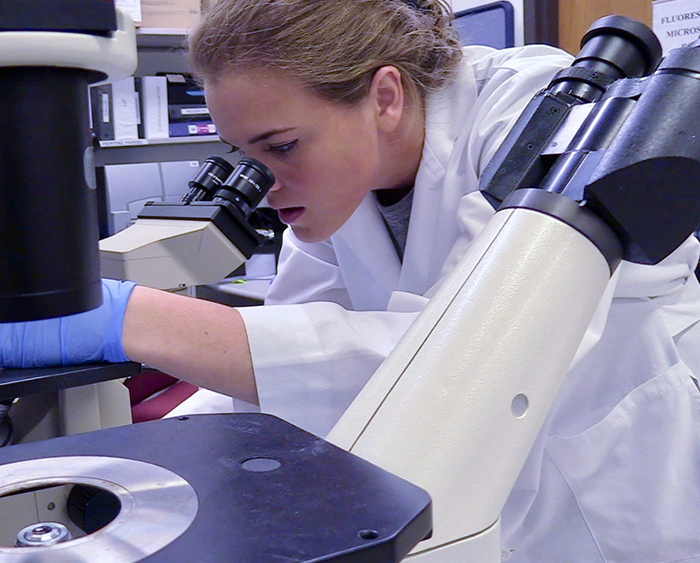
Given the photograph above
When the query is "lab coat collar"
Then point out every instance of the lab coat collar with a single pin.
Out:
(360, 244)
(363, 241)
(433, 226)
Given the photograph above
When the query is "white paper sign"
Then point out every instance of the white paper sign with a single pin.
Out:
(132, 7)
(676, 22)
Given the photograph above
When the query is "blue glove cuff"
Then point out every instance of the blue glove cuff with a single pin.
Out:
(91, 337)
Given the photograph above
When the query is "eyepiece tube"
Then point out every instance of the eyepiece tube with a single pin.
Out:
(614, 47)
(208, 180)
(247, 185)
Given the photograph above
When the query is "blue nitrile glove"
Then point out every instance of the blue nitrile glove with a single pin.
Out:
(91, 337)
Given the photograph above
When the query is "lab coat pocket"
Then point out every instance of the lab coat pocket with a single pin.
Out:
(636, 473)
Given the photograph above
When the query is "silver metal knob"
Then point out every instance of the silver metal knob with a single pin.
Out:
(43, 534)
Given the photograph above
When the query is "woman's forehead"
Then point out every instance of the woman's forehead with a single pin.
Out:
(265, 91)
(261, 80)
(245, 104)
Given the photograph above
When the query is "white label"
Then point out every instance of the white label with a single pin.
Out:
(195, 111)
(138, 107)
(676, 22)
(132, 7)
(105, 108)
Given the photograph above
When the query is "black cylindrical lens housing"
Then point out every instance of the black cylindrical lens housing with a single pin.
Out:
(209, 178)
(247, 185)
(614, 47)
(49, 260)
(646, 185)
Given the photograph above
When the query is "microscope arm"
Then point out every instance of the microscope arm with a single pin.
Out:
(457, 406)
(170, 254)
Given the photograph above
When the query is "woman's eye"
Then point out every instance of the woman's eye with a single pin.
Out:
(284, 148)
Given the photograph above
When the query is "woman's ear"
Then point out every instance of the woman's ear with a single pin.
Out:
(387, 95)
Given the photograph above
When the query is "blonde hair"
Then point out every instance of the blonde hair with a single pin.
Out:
(333, 47)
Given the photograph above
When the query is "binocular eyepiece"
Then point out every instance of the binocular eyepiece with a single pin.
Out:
(244, 186)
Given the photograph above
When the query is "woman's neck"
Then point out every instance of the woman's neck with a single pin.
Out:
(402, 158)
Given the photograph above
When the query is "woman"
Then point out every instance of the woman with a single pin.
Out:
(377, 126)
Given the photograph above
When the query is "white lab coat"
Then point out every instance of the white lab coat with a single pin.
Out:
(615, 473)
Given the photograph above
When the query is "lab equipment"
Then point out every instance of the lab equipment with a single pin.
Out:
(481, 366)
(507, 18)
(377, 518)
(491, 24)
(47, 178)
(198, 241)
(238, 488)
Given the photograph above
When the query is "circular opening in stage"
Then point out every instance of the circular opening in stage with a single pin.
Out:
(71, 510)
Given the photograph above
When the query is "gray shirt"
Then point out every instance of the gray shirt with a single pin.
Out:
(397, 216)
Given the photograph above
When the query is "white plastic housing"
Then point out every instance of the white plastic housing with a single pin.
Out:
(444, 410)
(169, 254)
(114, 56)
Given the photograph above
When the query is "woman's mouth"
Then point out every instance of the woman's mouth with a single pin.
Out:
(290, 214)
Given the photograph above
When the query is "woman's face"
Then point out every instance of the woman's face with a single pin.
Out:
(325, 157)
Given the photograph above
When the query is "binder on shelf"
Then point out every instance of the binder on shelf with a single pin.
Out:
(188, 112)
(101, 112)
(192, 129)
(183, 90)
(124, 109)
(170, 14)
(152, 94)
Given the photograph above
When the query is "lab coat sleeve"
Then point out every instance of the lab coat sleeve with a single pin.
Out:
(311, 353)
(312, 359)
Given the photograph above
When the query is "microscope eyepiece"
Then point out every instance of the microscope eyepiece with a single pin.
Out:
(247, 185)
(614, 47)
(623, 42)
(208, 180)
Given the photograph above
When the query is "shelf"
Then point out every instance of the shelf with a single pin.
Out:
(162, 150)
(161, 31)
(150, 142)
(161, 38)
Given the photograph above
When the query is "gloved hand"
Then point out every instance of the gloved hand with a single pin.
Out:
(91, 337)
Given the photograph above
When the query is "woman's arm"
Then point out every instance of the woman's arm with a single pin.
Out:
(202, 342)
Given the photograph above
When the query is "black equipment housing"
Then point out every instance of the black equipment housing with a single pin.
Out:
(635, 159)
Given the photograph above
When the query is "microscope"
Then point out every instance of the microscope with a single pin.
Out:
(195, 242)
(579, 184)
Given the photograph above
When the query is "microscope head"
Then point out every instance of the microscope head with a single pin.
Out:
(197, 241)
